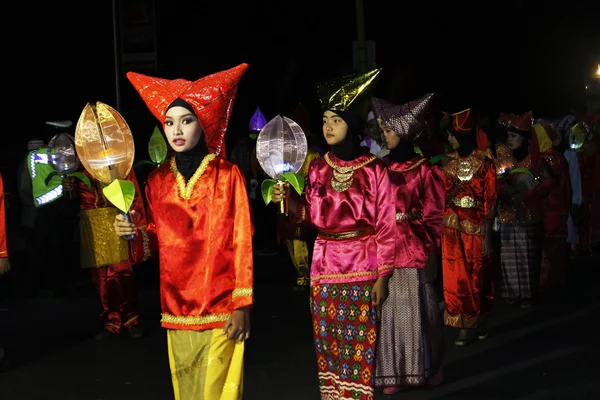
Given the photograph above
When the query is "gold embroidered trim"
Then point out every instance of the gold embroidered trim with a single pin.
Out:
(415, 165)
(460, 321)
(3, 252)
(451, 221)
(466, 202)
(342, 176)
(464, 169)
(385, 268)
(350, 275)
(342, 235)
(185, 190)
(243, 292)
(194, 319)
(145, 244)
(403, 216)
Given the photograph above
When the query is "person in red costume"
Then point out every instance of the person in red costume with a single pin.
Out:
(4, 261)
(347, 198)
(110, 258)
(556, 208)
(470, 190)
(409, 352)
(198, 209)
(521, 191)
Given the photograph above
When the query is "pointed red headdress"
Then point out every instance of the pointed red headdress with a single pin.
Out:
(524, 123)
(211, 97)
(463, 122)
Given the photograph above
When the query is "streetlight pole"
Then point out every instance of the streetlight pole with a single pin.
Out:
(361, 38)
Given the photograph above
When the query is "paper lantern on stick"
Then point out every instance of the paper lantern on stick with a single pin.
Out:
(62, 156)
(105, 148)
(104, 143)
(281, 149)
(257, 122)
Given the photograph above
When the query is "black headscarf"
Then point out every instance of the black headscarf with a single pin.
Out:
(523, 150)
(189, 161)
(349, 148)
(404, 151)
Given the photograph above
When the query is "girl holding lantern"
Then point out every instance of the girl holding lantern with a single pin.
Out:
(198, 209)
(347, 200)
(409, 352)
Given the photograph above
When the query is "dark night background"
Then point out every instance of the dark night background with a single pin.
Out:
(509, 56)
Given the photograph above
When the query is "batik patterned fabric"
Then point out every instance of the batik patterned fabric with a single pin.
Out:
(345, 329)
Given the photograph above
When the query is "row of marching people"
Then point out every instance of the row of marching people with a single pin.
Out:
(383, 224)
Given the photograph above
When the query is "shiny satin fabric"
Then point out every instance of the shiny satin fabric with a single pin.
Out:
(557, 204)
(481, 187)
(205, 365)
(418, 188)
(205, 243)
(116, 289)
(365, 204)
(141, 248)
(3, 247)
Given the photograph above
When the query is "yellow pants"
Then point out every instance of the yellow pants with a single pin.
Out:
(298, 250)
(205, 365)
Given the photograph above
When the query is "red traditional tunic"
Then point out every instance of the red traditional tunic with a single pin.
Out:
(349, 203)
(205, 243)
(557, 204)
(470, 187)
(418, 194)
(3, 247)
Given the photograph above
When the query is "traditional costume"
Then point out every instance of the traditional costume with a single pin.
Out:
(521, 218)
(110, 258)
(410, 335)
(556, 207)
(347, 197)
(470, 188)
(3, 246)
(198, 208)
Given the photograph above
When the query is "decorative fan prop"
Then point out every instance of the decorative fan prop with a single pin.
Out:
(157, 150)
(105, 147)
(62, 156)
(281, 149)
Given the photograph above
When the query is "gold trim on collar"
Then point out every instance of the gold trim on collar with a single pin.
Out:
(415, 165)
(342, 176)
(185, 190)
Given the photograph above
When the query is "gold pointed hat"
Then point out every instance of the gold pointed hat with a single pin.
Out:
(341, 93)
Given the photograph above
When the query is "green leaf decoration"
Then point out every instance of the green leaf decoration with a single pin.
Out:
(157, 147)
(144, 162)
(418, 150)
(82, 177)
(297, 181)
(437, 158)
(50, 176)
(267, 190)
(521, 171)
(120, 193)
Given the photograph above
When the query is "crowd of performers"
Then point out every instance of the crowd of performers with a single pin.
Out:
(397, 213)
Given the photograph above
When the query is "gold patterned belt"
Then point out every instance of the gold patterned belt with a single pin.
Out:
(345, 235)
(403, 216)
(465, 202)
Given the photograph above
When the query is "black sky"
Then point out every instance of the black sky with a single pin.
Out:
(510, 56)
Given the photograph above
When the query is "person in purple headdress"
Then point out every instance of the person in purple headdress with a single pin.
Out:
(410, 347)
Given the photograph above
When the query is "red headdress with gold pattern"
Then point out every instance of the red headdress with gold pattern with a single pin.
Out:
(463, 122)
(524, 123)
(211, 97)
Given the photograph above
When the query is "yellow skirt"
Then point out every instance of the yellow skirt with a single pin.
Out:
(205, 365)
(100, 245)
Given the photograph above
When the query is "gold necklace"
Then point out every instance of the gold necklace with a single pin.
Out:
(342, 176)
(185, 190)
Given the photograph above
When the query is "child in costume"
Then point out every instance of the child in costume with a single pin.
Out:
(409, 352)
(197, 206)
(347, 198)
